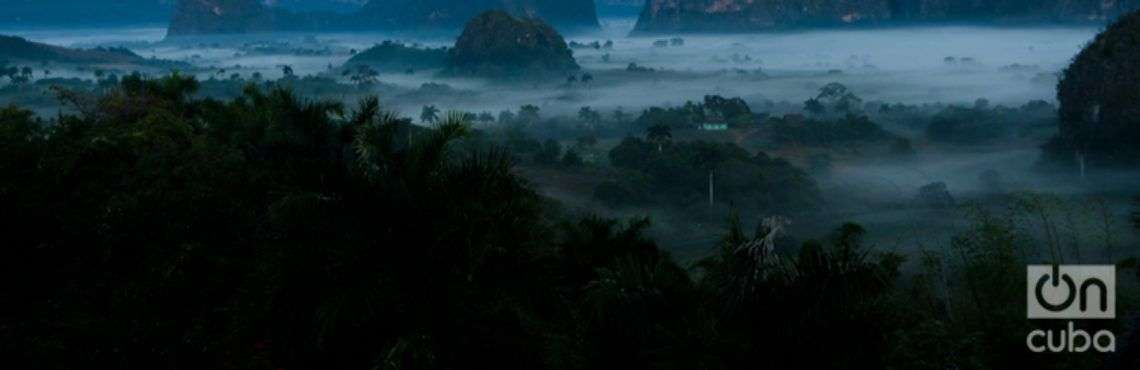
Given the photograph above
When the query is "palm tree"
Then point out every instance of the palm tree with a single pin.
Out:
(365, 75)
(659, 134)
(429, 114)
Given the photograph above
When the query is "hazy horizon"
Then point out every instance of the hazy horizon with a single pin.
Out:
(1009, 66)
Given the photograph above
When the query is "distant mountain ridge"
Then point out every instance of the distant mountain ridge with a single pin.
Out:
(199, 17)
(18, 49)
(763, 15)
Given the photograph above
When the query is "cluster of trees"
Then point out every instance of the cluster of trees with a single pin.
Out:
(665, 173)
(534, 138)
(846, 130)
(984, 124)
(586, 79)
(632, 67)
(399, 57)
(552, 153)
(361, 75)
(977, 124)
(834, 99)
(16, 75)
(596, 45)
(152, 229)
(715, 109)
(836, 117)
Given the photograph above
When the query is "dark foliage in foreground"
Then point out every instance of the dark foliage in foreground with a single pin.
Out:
(260, 232)
(155, 230)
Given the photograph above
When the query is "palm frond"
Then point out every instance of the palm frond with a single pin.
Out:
(429, 151)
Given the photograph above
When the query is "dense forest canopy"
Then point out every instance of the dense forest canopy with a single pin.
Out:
(153, 228)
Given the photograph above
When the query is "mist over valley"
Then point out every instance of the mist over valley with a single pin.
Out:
(577, 184)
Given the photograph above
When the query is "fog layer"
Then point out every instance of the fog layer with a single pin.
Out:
(908, 65)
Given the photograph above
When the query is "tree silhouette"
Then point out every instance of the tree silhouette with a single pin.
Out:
(659, 135)
(836, 97)
(591, 117)
(429, 114)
